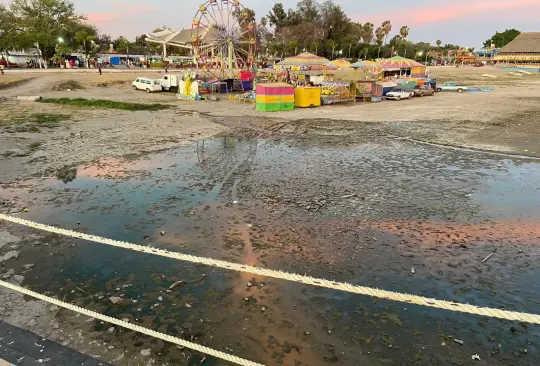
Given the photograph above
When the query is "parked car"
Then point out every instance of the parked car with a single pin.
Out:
(147, 84)
(452, 86)
(399, 93)
(420, 91)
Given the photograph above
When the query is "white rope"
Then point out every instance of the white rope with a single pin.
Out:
(136, 328)
(346, 287)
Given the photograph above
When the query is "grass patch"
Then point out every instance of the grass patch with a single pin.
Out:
(30, 122)
(101, 103)
(68, 84)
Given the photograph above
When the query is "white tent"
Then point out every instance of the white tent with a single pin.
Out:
(179, 38)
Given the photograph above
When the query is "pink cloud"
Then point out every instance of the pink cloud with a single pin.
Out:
(457, 10)
(119, 15)
(99, 18)
(132, 8)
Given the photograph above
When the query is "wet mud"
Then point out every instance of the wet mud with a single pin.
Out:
(365, 210)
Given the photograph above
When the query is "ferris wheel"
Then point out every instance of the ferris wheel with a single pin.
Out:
(224, 37)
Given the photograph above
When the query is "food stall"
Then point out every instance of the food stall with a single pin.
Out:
(274, 97)
(335, 92)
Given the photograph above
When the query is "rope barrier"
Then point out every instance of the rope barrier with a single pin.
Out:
(346, 287)
(136, 328)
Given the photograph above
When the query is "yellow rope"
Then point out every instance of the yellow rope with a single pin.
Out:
(136, 328)
(346, 287)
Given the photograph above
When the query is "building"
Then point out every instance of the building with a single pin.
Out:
(486, 55)
(523, 51)
(21, 57)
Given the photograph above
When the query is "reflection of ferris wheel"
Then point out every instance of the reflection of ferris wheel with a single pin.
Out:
(224, 37)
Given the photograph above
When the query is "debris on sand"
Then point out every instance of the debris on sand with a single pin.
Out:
(486, 258)
(459, 341)
(162, 233)
(175, 285)
(146, 352)
(116, 300)
(413, 271)
(475, 357)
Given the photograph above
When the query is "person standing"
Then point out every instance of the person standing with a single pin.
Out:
(99, 68)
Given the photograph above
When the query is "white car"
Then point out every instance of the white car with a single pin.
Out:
(399, 93)
(147, 84)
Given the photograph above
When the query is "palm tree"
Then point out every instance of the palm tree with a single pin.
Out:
(379, 36)
(439, 42)
(404, 32)
(387, 28)
(367, 32)
(314, 47)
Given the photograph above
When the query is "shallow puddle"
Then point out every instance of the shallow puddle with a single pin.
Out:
(364, 212)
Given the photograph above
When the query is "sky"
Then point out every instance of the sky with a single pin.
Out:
(464, 22)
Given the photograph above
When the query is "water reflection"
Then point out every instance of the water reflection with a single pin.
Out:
(357, 211)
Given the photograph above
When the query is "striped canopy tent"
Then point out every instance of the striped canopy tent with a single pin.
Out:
(340, 64)
(305, 61)
(397, 63)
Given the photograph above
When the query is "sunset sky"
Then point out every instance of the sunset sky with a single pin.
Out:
(463, 22)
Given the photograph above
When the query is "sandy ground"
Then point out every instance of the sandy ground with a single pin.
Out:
(505, 120)
(502, 120)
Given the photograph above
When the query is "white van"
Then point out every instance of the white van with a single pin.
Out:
(150, 85)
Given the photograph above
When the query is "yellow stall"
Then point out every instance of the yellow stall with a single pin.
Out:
(307, 97)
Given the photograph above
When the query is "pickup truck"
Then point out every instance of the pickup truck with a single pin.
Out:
(452, 86)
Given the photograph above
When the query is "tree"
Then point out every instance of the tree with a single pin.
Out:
(404, 32)
(277, 16)
(122, 44)
(43, 21)
(308, 10)
(337, 23)
(330, 44)
(85, 38)
(502, 39)
(314, 47)
(292, 47)
(10, 34)
(104, 42)
(379, 36)
(367, 32)
(387, 28)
